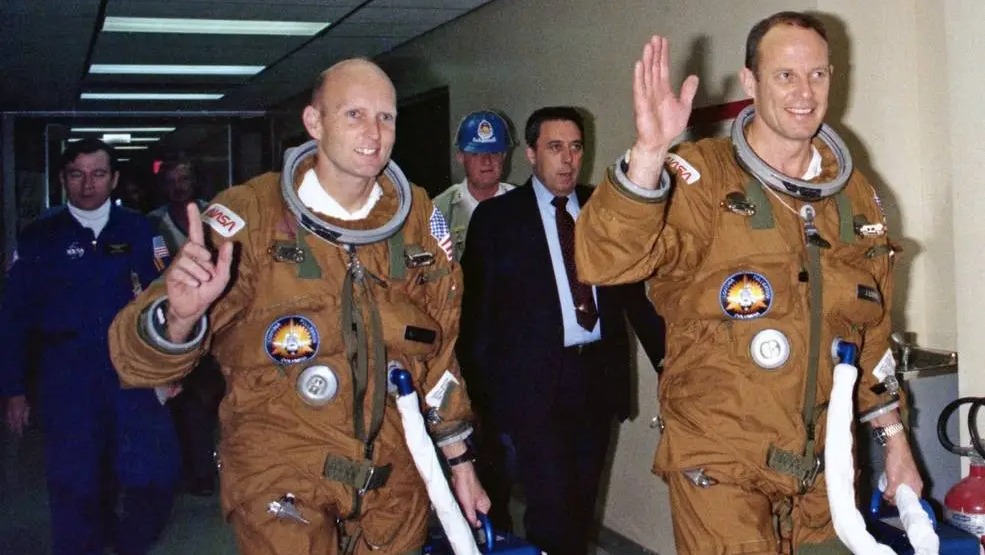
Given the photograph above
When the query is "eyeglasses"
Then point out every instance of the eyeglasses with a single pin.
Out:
(77, 175)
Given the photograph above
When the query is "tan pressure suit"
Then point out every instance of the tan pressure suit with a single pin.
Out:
(273, 442)
(749, 433)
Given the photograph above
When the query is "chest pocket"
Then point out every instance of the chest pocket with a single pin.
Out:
(851, 291)
(407, 329)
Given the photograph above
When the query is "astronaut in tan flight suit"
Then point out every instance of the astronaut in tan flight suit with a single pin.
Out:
(324, 275)
(756, 273)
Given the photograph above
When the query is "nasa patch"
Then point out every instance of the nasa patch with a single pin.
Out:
(746, 295)
(75, 251)
(223, 220)
(291, 339)
(684, 170)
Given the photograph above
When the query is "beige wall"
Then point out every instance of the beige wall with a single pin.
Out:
(911, 119)
(965, 114)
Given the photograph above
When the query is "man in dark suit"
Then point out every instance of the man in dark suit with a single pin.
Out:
(546, 357)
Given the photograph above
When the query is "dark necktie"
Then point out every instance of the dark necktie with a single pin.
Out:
(585, 310)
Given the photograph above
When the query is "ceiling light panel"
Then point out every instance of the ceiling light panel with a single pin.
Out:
(149, 96)
(211, 26)
(122, 129)
(144, 69)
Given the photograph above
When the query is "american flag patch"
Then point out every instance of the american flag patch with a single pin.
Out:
(160, 248)
(440, 232)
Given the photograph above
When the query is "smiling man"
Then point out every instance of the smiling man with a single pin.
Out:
(760, 249)
(338, 272)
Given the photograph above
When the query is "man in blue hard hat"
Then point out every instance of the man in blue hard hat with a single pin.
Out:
(482, 140)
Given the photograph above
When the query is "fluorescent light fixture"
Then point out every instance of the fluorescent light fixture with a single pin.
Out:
(75, 139)
(116, 137)
(144, 139)
(121, 129)
(122, 159)
(149, 96)
(131, 147)
(212, 26)
(138, 69)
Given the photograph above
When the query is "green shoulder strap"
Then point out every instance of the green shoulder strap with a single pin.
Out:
(308, 267)
(846, 218)
(763, 217)
(396, 246)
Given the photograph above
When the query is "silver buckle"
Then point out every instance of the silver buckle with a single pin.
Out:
(811, 475)
(369, 478)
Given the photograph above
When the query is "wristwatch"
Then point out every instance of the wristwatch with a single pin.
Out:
(467, 456)
(882, 433)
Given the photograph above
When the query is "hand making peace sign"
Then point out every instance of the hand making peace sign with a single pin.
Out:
(194, 281)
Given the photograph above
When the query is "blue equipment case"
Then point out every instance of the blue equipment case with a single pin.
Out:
(881, 524)
(491, 542)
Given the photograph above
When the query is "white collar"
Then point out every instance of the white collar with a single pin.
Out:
(814, 167)
(314, 196)
(91, 219)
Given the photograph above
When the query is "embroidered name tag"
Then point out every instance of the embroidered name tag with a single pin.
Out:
(869, 294)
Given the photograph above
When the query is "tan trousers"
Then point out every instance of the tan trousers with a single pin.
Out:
(260, 533)
(725, 519)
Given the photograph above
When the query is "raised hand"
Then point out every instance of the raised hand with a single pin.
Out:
(660, 114)
(194, 281)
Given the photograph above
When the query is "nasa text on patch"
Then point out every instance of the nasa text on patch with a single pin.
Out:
(223, 220)
(684, 170)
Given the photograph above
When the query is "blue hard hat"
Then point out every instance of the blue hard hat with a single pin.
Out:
(483, 132)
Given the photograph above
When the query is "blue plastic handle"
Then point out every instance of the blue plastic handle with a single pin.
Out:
(401, 378)
(876, 508)
(845, 352)
(487, 529)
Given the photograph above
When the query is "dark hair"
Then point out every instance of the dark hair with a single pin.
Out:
(171, 162)
(759, 30)
(551, 113)
(88, 146)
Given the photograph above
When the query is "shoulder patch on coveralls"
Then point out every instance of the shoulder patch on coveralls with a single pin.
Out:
(684, 170)
(223, 220)
(439, 230)
(446, 384)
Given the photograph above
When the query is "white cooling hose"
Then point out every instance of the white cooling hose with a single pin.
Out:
(426, 459)
(916, 522)
(839, 468)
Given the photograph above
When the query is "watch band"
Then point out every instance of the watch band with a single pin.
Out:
(467, 456)
(882, 434)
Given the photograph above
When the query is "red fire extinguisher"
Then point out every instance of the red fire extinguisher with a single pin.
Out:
(964, 503)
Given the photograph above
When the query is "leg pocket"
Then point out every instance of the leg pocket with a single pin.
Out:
(720, 520)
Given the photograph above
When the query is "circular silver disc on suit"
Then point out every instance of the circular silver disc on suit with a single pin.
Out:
(770, 349)
(317, 385)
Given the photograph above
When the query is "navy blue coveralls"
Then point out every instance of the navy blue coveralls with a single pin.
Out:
(111, 454)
